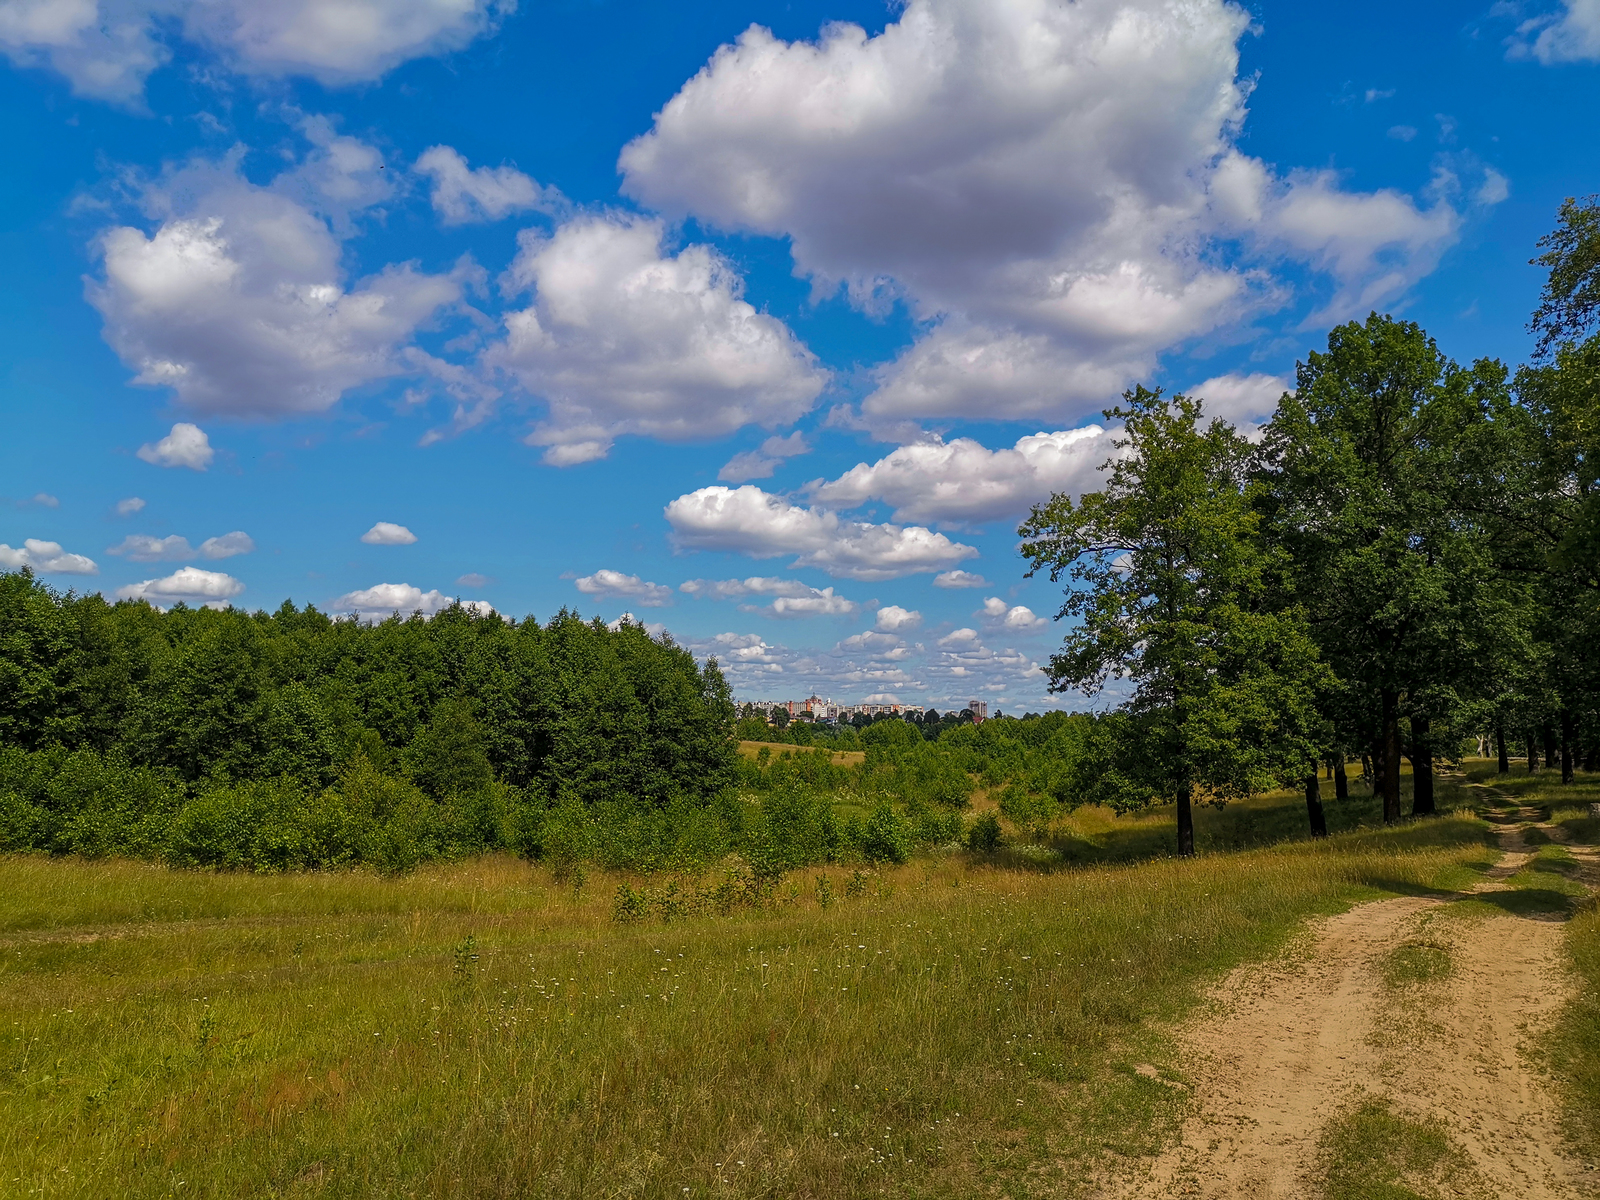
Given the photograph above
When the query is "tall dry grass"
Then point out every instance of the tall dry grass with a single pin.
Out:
(954, 1028)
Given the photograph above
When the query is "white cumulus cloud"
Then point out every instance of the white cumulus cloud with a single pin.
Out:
(894, 619)
(45, 558)
(962, 480)
(626, 338)
(107, 48)
(462, 194)
(738, 589)
(791, 598)
(186, 585)
(126, 508)
(997, 167)
(609, 583)
(185, 446)
(237, 300)
(387, 533)
(959, 579)
(818, 602)
(385, 599)
(141, 547)
(749, 521)
(227, 545)
(1011, 618)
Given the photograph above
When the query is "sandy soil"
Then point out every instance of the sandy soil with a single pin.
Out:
(1284, 1047)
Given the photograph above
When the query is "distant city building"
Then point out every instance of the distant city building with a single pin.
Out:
(979, 710)
(816, 708)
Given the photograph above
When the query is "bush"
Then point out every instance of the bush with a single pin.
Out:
(886, 836)
(983, 836)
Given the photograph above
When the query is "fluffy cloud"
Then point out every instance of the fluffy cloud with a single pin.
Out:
(1247, 401)
(473, 579)
(738, 589)
(385, 599)
(1006, 618)
(387, 533)
(654, 628)
(623, 338)
(749, 521)
(106, 48)
(45, 558)
(1571, 34)
(126, 508)
(959, 579)
(186, 446)
(186, 585)
(44, 500)
(237, 300)
(819, 602)
(963, 481)
(875, 663)
(744, 656)
(759, 464)
(791, 598)
(614, 583)
(990, 164)
(964, 369)
(141, 547)
(894, 619)
(462, 195)
(228, 545)
(1372, 245)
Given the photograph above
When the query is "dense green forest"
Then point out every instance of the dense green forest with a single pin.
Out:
(1404, 560)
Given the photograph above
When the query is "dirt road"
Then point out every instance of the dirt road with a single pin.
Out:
(1288, 1046)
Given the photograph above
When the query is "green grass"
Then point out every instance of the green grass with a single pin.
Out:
(1417, 962)
(1097, 835)
(1375, 1153)
(953, 1029)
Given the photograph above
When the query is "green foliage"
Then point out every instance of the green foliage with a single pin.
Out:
(887, 836)
(983, 836)
(1570, 302)
(794, 826)
(1172, 584)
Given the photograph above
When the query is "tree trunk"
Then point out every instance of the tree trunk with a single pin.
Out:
(1367, 777)
(1591, 758)
(1566, 747)
(1391, 757)
(1319, 820)
(1421, 768)
(1500, 747)
(1341, 785)
(1533, 754)
(1185, 823)
(1549, 746)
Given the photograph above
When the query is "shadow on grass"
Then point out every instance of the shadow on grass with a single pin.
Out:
(1534, 903)
(1404, 887)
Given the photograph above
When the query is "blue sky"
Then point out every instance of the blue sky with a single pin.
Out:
(763, 322)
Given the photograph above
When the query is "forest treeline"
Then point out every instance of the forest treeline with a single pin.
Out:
(1405, 558)
(122, 726)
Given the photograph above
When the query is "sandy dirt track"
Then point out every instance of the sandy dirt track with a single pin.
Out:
(1283, 1047)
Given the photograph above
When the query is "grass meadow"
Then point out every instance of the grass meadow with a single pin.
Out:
(957, 1026)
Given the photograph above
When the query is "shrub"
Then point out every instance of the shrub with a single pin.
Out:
(794, 826)
(886, 836)
(983, 836)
